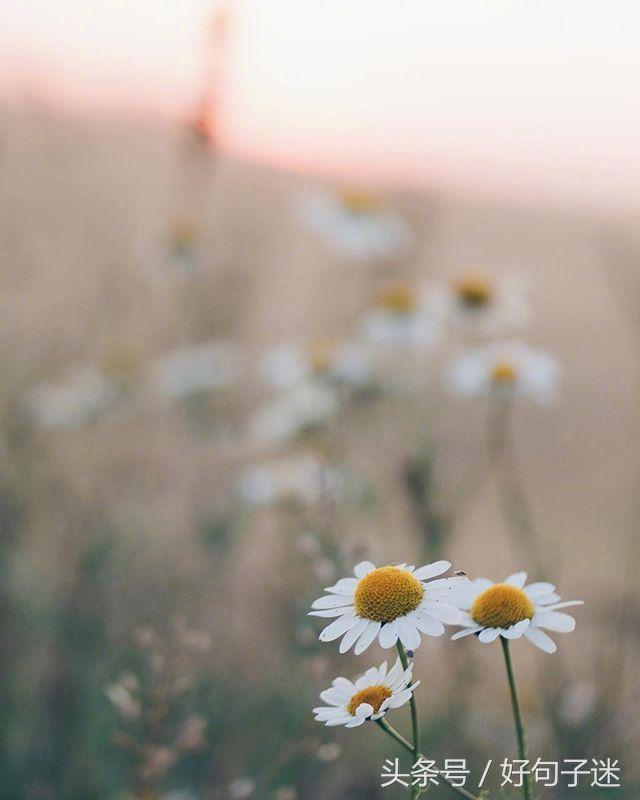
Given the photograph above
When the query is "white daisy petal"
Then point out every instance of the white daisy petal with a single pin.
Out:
(354, 633)
(541, 640)
(344, 684)
(343, 586)
(517, 630)
(547, 599)
(566, 604)
(333, 696)
(332, 601)
(408, 633)
(445, 612)
(355, 722)
(339, 721)
(363, 568)
(554, 621)
(465, 632)
(327, 613)
(489, 635)
(367, 637)
(429, 625)
(518, 579)
(337, 628)
(539, 589)
(388, 635)
(431, 570)
(370, 678)
(400, 699)
(364, 710)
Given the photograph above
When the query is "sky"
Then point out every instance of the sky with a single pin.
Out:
(540, 98)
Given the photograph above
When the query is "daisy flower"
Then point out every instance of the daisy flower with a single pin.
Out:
(389, 604)
(73, 402)
(356, 223)
(305, 408)
(322, 359)
(512, 609)
(400, 316)
(508, 368)
(370, 697)
(480, 305)
(185, 372)
(299, 479)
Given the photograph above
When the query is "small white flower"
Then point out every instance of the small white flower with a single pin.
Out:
(356, 223)
(512, 610)
(401, 316)
(370, 697)
(328, 752)
(241, 788)
(185, 372)
(507, 368)
(305, 408)
(289, 365)
(482, 306)
(73, 402)
(388, 603)
(302, 479)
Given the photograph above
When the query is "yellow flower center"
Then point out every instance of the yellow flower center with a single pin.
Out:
(474, 291)
(320, 355)
(504, 373)
(399, 298)
(374, 695)
(387, 593)
(359, 201)
(501, 606)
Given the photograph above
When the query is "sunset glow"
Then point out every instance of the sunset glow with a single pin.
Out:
(466, 94)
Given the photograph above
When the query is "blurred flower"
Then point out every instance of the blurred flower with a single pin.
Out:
(578, 702)
(289, 365)
(370, 697)
(157, 761)
(300, 479)
(329, 752)
(356, 223)
(185, 372)
(400, 316)
(241, 788)
(512, 610)
(480, 305)
(301, 410)
(126, 705)
(506, 368)
(286, 793)
(73, 402)
(388, 603)
(191, 736)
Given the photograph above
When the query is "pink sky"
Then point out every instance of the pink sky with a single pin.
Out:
(518, 98)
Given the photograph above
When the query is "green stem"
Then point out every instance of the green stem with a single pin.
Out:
(382, 723)
(415, 725)
(517, 716)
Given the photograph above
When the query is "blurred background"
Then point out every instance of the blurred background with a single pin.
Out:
(285, 286)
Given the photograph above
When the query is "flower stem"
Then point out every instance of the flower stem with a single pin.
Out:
(517, 716)
(382, 723)
(415, 725)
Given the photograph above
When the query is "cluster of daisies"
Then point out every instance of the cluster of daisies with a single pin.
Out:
(398, 604)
